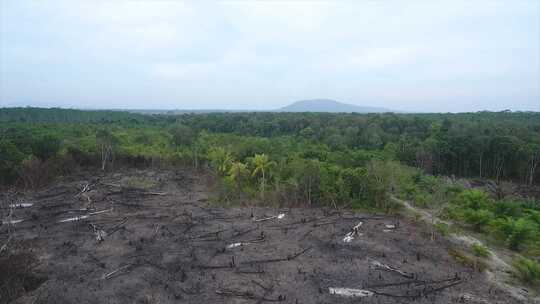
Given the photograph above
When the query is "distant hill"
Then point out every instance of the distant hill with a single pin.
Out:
(329, 105)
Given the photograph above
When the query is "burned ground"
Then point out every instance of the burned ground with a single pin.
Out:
(153, 237)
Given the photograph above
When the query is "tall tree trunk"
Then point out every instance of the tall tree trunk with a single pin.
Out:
(533, 163)
(499, 166)
(263, 182)
(481, 157)
(103, 157)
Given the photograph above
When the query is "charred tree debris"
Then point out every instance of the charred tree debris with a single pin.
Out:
(98, 235)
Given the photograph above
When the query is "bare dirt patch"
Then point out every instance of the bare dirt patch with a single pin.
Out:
(99, 239)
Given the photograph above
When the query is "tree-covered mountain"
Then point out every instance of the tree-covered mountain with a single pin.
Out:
(330, 106)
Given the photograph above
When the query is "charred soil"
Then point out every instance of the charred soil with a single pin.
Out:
(143, 236)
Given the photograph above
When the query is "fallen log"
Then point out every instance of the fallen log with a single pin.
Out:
(379, 265)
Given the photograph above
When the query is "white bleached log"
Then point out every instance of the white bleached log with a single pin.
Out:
(73, 219)
(234, 245)
(21, 205)
(11, 222)
(350, 292)
(382, 266)
(101, 211)
(82, 217)
(353, 233)
(279, 217)
(389, 227)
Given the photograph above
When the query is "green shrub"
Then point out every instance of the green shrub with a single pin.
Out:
(527, 271)
(480, 251)
(473, 199)
(506, 208)
(443, 228)
(422, 200)
(478, 219)
(522, 231)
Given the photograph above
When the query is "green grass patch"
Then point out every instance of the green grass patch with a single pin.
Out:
(528, 271)
(467, 260)
(138, 183)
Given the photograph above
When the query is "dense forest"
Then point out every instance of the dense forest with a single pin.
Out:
(365, 161)
(499, 146)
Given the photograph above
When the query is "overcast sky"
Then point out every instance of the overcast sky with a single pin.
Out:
(405, 55)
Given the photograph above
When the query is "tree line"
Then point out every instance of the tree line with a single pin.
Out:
(495, 145)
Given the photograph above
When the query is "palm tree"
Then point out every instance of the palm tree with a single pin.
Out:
(262, 165)
(221, 160)
(237, 173)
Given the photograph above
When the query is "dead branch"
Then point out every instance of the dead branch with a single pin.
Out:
(257, 271)
(117, 227)
(261, 285)
(240, 233)
(111, 185)
(287, 258)
(443, 287)
(86, 188)
(418, 293)
(306, 235)
(116, 271)
(302, 221)
(247, 295)
(209, 234)
(324, 223)
(231, 264)
(153, 193)
(99, 233)
(4, 247)
(413, 282)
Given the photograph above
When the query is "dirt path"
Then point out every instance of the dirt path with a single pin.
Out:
(98, 242)
(499, 272)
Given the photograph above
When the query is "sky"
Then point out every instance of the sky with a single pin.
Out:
(417, 56)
